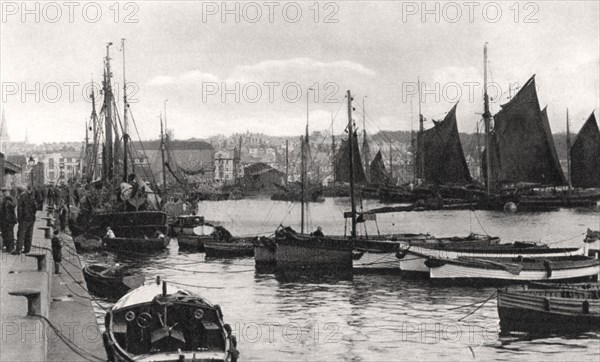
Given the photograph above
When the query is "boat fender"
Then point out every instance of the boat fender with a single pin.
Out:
(546, 304)
(129, 316)
(198, 313)
(434, 263)
(585, 307)
(400, 254)
(228, 329)
(548, 267)
(219, 311)
(520, 258)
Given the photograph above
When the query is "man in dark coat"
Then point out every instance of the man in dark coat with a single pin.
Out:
(26, 209)
(8, 219)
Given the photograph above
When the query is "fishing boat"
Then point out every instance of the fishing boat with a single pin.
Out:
(522, 152)
(135, 213)
(471, 270)
(413, 257)
(191, 232)
(303, 251)
(166, 323)
(557, 310)
(111, 282)
(137, 245)
(264, 251)
(224, 245)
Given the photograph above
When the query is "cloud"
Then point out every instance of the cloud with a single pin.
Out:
(297, 67)
(191, 77)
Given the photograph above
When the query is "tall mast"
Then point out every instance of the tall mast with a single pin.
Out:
(365, 147)
(568, 152)
(287, 161)
(351, 154)
(419, 170)
(108, 101)
(302, 177)
(125, 106)
(333, 168)
(391, 170)
(487, 119)
(162, 155)
(478, 148)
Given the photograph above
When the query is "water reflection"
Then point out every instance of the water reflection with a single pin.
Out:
(279, 315)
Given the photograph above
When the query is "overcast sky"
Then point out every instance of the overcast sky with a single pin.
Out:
(187, 52)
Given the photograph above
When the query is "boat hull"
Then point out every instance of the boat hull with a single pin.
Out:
(300, 252)
(111, 288)
(413, 260)
(556, 311)
(136, 245)
(499, 271)
(230, 249)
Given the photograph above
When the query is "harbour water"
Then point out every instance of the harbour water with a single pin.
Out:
(364, 317)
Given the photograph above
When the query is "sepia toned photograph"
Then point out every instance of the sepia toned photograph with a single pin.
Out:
(310, 180)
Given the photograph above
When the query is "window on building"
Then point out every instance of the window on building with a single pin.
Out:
(62, 159)
(51, 175)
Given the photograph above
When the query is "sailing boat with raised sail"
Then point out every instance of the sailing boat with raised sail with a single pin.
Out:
(585, 156)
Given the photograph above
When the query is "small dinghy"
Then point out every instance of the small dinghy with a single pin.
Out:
(110, 282)
(225, 245)
(559, 310)
(166, 323)
(191, 232)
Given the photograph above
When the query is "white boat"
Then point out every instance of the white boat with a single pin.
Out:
(503, 270)
(413, 258)
(166, 323)
(385, 254)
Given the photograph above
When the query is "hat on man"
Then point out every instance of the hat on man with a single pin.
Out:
(22, 187)
(6, 188)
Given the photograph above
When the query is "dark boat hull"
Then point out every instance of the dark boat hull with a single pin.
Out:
(230, 249)
(549, 311)
(301, 252)
(108, 287)
(136, 245)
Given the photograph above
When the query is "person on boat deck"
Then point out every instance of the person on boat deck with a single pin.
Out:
(318, 232)
(158, 234)
(56, 250)
(109, 233)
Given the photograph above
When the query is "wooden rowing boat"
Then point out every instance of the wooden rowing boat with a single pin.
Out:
(109, 281)
(516, 270)
(549, 311)
(413, 258)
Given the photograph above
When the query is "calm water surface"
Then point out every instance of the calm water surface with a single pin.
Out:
(364, 317)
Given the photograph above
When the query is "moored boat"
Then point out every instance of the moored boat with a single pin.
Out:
(414, 256)
(386, 253)
(515, 270)
(191, 232)
(549, 311)
(110, 282)
(154, 323)
(236, 247)
(137, 245)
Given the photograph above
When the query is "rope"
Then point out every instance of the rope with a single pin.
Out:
(72, 346)
(478, 308)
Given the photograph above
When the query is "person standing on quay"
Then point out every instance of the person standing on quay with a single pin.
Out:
(26, 209)
(8, 219)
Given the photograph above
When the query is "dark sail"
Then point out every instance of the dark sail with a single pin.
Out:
(342, 162)
(522, 144)
(585, 155)
(443, 157)
(377, 172)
